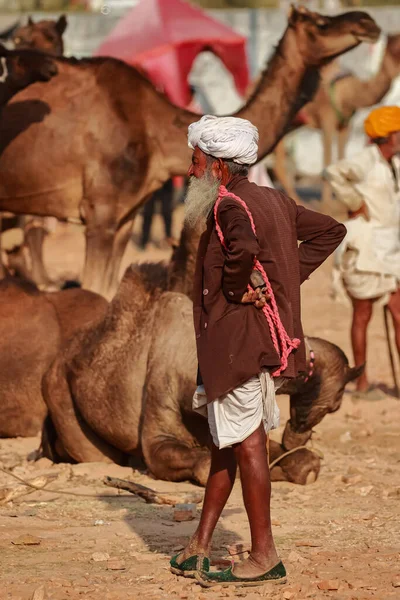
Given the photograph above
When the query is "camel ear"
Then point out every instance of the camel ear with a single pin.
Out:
(30, 21)
(61, 24)
(292, 14)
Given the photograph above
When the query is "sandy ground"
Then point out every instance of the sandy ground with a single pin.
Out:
(339, 537)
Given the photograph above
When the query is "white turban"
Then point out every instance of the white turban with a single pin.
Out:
(225, 137)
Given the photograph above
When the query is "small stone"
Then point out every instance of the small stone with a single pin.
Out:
(100, 556)
(115, 564)
(345, 437)
(351, 479)
(276, 523)
(295, 557)
(364, 491)
(43, 463)
(39, 594)
(288, 595)
(26, 540)
(396, 582)
(185, 512)
(328, 584)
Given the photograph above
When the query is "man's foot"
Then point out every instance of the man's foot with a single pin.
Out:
(276, 575)
(188, 567)
(252, 567)
(192, 549)
(372, 394)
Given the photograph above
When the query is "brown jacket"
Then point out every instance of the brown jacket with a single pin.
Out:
(233, 339)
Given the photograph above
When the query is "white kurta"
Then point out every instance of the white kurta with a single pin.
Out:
(368, 259)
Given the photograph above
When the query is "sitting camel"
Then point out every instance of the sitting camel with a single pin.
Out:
(45, 35)
(136, 140)
(124, 386)
(33, 326)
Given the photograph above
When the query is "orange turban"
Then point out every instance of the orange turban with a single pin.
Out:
(382, 121)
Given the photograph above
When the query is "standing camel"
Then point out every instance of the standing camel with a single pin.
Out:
(20, 69)
(109, 139)
(334, 105)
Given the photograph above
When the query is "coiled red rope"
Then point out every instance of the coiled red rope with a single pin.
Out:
(280, 338)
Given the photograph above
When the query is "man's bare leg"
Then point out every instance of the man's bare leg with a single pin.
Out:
(219, 486)
(394, 308)
(362, 312)
(252, 459)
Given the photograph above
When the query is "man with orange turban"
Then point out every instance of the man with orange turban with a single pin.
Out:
(368, 260)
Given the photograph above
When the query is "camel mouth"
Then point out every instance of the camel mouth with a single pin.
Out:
(370, 38)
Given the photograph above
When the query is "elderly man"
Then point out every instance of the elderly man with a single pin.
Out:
(246, 336)
(369, 258)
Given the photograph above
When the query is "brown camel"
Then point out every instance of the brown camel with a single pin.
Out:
(20, 69)
(33, 326)
(334, 105)
(124, 387)
(105, 160)
(45, 35)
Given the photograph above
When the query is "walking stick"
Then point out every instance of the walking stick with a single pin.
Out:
(392, 364)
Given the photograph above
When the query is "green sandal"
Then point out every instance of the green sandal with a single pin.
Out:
(276, 575)
(190, 566)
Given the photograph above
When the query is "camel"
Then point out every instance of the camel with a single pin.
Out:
(20, 69)
(106, 160)
(124, 387)
(45, 35)
(334, 105)
(33, 327)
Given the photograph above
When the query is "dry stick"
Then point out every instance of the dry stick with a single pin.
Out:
(151, 496)
(392, 364)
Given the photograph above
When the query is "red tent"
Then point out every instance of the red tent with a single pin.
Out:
(163, 37)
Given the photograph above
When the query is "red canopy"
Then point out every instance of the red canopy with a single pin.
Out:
(163, 37)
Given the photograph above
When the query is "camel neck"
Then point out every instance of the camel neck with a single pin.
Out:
(271, 107)
(273, 102)
(371, 91)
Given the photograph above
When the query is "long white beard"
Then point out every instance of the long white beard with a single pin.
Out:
(200, 198)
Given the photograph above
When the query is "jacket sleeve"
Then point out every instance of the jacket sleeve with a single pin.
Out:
(320, 235)
(344, 177)
(242, 246)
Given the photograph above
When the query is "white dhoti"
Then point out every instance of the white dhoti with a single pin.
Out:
(367, 263)
(235, 416)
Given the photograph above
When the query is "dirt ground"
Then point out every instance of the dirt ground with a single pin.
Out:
(339, 537)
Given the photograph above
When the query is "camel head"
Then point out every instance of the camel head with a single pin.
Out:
(321, 38)
(24, 67)
(44, 35)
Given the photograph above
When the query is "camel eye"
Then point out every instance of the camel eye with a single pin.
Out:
(322, 24)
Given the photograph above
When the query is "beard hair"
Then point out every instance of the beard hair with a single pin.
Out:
(200, 198)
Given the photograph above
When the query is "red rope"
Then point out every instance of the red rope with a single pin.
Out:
(281, 340)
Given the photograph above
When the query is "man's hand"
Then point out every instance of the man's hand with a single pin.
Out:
(361, 212)
(256, 297)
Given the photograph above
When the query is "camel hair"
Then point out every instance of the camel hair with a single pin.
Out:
(333, 106)
(123, 387)
(110, 139)
(19, 69)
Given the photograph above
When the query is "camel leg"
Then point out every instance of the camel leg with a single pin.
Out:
(327, 137)
(105, 246)
(34, 239)
(282, 174)
(67, 435)
(170, 450)
(342, 137)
